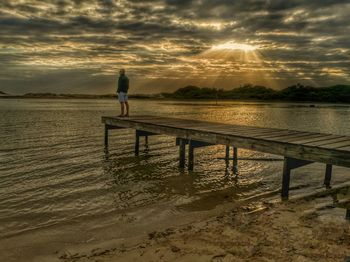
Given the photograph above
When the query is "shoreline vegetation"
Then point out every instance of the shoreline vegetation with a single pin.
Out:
(295, 93)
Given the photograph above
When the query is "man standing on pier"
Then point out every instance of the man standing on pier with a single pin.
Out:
(123, 87)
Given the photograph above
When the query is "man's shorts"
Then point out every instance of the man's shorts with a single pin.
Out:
(122, 97)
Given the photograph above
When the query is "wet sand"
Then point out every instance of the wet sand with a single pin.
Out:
(285, 231)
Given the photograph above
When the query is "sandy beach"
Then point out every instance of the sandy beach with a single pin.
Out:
(300, 230)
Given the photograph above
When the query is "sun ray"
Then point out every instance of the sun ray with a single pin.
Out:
(234, 46)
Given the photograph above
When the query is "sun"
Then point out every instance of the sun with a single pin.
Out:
(234, 46)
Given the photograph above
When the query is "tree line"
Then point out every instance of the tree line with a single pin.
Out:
(298, 92)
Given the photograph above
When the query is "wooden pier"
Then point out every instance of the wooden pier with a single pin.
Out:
(298, 148)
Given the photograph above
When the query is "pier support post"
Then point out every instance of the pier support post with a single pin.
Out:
(145, 134)
(137, 143)
(328, 176)
(288, 165)
(235, 161)
(190, 156)
(146, 144)
(285, 179)
(182, 153)
(106, 136)
(227, 157)
(347, 216)
(192, 144)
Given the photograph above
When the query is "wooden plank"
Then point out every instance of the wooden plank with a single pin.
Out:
(242, 131)
(194, 123)
(256, 134)
(344, 148)
(328, 141)
(295, 137)
(217, 129)
(337, 145)
(272, 133)
(229, 128)
(251, 130)
(178, 123)
(281, 136)
(266, 132)
(225, 129)
(322, 137)
(306, 137)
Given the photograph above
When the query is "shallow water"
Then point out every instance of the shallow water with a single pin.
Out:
(53, 169)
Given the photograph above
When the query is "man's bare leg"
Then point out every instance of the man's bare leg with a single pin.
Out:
(127, 108)
(121, 109)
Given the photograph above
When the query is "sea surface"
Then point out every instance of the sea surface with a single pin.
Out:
(54, 171)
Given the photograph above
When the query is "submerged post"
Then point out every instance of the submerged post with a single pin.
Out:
(106, 136)
(289, 164)
(347, 216)
(137, 143)
(146, 144)
(182, 152)
(235, 161)
(190, 155)
(227, 156)
(285, 178)
(328, 176)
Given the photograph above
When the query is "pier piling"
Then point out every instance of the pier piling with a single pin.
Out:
(106, 136)
(190, 155)
(235, 161)
(227, 157)
(182, 153)
(328, 176)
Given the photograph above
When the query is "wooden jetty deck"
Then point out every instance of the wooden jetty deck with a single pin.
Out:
(298, 148)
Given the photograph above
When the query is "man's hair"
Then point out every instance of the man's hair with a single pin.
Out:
(122, 70)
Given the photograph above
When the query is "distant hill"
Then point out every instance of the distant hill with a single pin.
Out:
(78, 96)
(53, 95)
(337, 93)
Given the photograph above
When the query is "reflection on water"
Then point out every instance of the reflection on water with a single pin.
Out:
(53, 169)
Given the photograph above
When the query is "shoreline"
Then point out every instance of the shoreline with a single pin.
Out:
(259, 228)
(189, 100)
(283, 231)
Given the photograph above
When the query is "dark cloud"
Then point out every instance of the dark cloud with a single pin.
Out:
(87, 41)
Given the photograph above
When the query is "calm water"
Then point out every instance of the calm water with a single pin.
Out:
(53, 169)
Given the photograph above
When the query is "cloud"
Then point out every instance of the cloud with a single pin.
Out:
(87, 41)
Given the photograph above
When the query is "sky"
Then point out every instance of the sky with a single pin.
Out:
(78, 46)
